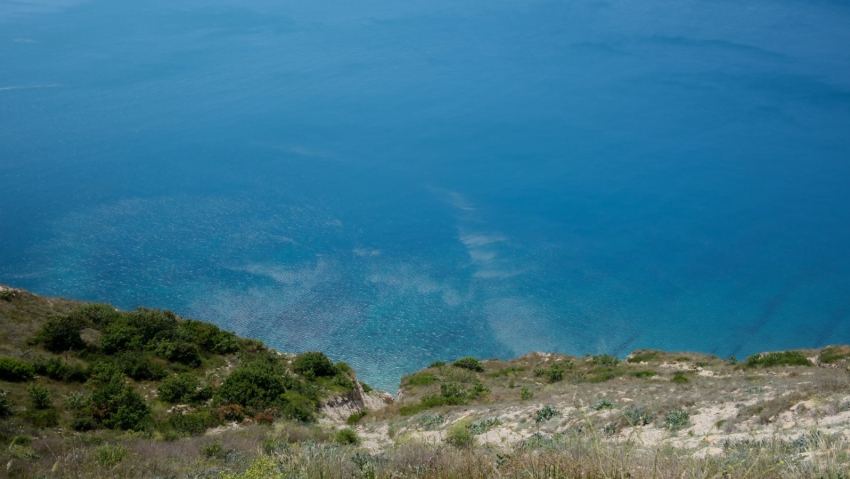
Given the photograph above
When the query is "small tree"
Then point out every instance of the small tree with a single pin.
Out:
(39, 396)
(314, 364)
(62, 334)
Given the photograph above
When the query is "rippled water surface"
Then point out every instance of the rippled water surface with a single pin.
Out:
(399, 182)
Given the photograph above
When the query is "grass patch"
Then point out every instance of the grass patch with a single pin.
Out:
(784, 358)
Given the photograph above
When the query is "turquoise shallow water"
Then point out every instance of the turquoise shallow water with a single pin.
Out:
(395, 183)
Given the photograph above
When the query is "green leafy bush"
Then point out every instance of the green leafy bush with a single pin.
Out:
(179, 388)
(55, 368)
(117, 405)
(251, 386)
(347, 436)
(62, 334)
(209, 337)
(354, 418)
(676, 420)
(605, 360)
(679, 378)
(460, 436)
(555, 372)
(469, 363)
(483, 425)
(603, 404)
(97, 314)
(295, 406)
(39, 396)
(314, 364)
(784, 358)
(5, 404)
(43, 418)
(643, 356)
(437, 364)
(15, 371)
(421, 379)
(525, 393)
(545, 414)
(140, 367)
(638, 416)
(191, 424)
(180, 352)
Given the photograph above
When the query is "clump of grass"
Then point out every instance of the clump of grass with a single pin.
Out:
(212, 451)
(680, 378)
(421, 379)
(430, 421)
(110, 455)
(555, 372)
(833, 354)
(525, 393)
(643, 356)
(643, 374)
(605, 360)
(347, 436)
(784, 358)
(603, 404)
(354, 418)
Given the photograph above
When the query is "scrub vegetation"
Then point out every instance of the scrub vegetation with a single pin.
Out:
(90, 391)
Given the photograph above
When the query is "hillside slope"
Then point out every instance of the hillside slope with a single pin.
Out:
(90, 391)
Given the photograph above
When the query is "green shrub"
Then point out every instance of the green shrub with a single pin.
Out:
(118, 406)
(180, 352)
(477, 391)
(545, 414)
(191, 424)
(643, 356)
(209, 337)
(179, 388)
(298, 407)
(55, 368)
(430, 421)
(314, 365)
(62, 334)
(483, 425)
(212, 451)
(421, 379)
(7, 295)
(43, 418)
(120, 336)
(39, 396)
(437, 364)
(354, 418)
(603, 404)
(679, 378)
(15, 371)
(140, 367)
(110, 455)
(676, 420)
(347, 436)
(469, 363)
(638, 416)
(460, 436)
(97, 314)
(452, 390)
(555, 372)
(76, 401)
(785, 358)
(832, 355)
(605, 360)
(525, 393)
(252, 386)
(643, 374)
(5, 404)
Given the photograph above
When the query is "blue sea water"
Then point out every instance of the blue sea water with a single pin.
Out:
(399, 182)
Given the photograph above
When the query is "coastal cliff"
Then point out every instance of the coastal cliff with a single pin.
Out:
(90, 391)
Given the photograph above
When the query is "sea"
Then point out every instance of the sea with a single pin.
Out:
(396, 183)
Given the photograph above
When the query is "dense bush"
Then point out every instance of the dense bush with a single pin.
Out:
(55, 368)
(785, 358)
(314, 364)
(469, 363)
(62, 334)
(355, 417)
(15, 371)
(39, 396)
(118, 406)
(179, 388)
(209, 337)
(347, 436)
(254, 386)
(180, 352)
(5, 404)
(676, 420)
(140, 367)
(555, 372)
(96, 314)
(460, 435)
(546, 413)
(192, 424)
(605, 360)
